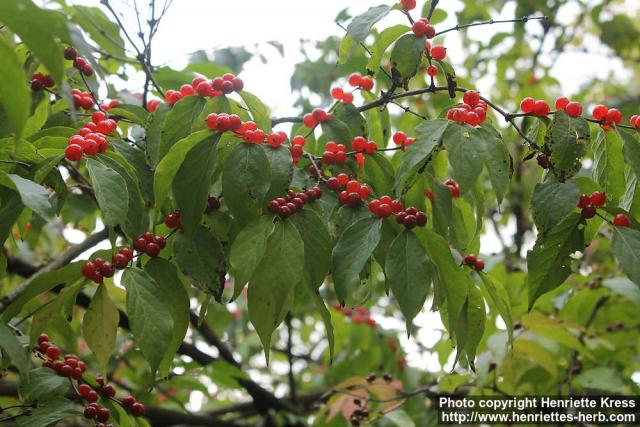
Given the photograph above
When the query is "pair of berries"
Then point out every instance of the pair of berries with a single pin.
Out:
(316, 117)
(337, 182)
(293, 202)
(538, 108)
(82, 65)
(401, 139)
(572, 108)
(385, 206)
(408, 5)
(39, 81)
(297, 148)
(472, 111)
(339, 94)
(422, 28)
(453, 187)
(360, 81)
(276, 139)
(588, 204)
(354, 193)
(360, 144)
(358, 315)
(134, 407)
(437, 52)
(150, 244)
(82, 99)
(474, 262)
(411, 217)
(109, 105)
(250, 133)
(98, 269)
(334, 153)
(122, 258)
(605, 114)
(100, 413)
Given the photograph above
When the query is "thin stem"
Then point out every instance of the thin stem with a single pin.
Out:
(491, 22)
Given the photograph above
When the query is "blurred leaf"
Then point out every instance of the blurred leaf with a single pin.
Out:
(100, 326)
(360, 26)
(15, 94)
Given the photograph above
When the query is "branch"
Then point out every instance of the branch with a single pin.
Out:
(491, 22)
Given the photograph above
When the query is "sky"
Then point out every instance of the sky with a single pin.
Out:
(192, 25)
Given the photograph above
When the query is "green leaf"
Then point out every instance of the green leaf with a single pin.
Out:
(166, 276)
(336, 130)
(201, 260)
(472, 323)
(15, 95)
(429, 137)
(408, 273)
(281, 170)
(259, 112)
(567, 139)
(245, 180)
(14, 349)
(346, 45)
(379, 122)
(170, 164)
(601, 378)
(552, 201)
(149, 316)
(626, 248)
(625, 287)
(191, 184)
(100, 326)
(111, 192)
(399, 418)
(549, 262)
(631, 150)
(33, 196)
(179, 122)
(325, 314)
(317, 246)
(248, 249)
(135, 113)
(450, 275)
(496, 158)
(27, 20)
(378, 173)
(499, 300)
(100, 28)
(48, 413)
(272, 285)
(383, 41)
(360, 26)
(406, 55)
(349, 115)
(461, 141)
(42, 384)
(136, 158)
(353, 249)
(154, 126)
(608, 164)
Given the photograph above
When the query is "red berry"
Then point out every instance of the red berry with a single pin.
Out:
(328, 158)
(419, 28)
(137, 409)
(614, 116)
(103, 414)
(84, 389)
(409, 221)
(70, 53)
(588, 212)
(408, 4)
(343, 178)
(120, 261)
(471, 97)
(364, 192)
(598, 199)
(172, 220)
(584, 201)
(527, 105)
(470, 260)
(53, 352)
(88, 270)
(353, 186)
(108, 390)
(543, 161)
(399, 138)
(91, 396)
(309, 121)
(574, 109)
(127, 252)
(600, 112)
(238, 84)
(337, 93)
(438, 52)
(128, 401)
(421, 219)
(621, 220)
(562, 102)
(73, 152)
(347, 98)
(333, 183)
(140, 244)
(107, 269)
(384, 210)
(432, 70)
(66, 370)
(90, 412)
(355, 79)
(479, 265)
(42, 338)
(541, 108)
(152, 249)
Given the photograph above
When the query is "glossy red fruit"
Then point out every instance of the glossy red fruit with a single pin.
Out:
(88, 270)
(600, 112)
(152, 249)
(470, 259)
(137, 409)
(584, 201)
(103, 414)
(90, 412)
(543, 161)
(408, 4)
(432, 70)
(140, 244)
(471, 97)
(479, 265)
(614, 116)
(562, 102)
(128, 401)
(419, 28)
(588, 212)
(541, 108)
(384, 210)
(53, 352)
(120, 261)
(355, 79)
(574, 109)
(73, 152)
(91, 396)
(621, 220)
(347, 98)
(84, 389)
(421, 219)
(598, 198)
(438, 52)
(107, 269)
(333, 183)
(527, 105)
(42, 338)
(70, 53)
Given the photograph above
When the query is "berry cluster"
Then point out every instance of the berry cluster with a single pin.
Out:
(401, 139)
(90, 140)
(200, 86)
(474, 262)
(453, 187)
(82, 99)
(150, 244)
(354, 192)
(339, 94)
(385, 206)
(360, 144)
(213, 204)
(359, 315)
(248, 131)
(411, 217)
(98, 269)
(39, 81)
(572, 108)
(334, 153)
(360, 81)
(408, 5)
(293, 202)
(588, 204)
(317, 116)
(538, 108)
(605, 114)
(276, 139)
(297, 148)
(172, 220)
(472, 111)
(422, 28)
(79, 62)
(72, 367)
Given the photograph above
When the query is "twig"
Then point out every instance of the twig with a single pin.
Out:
(491, 22)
